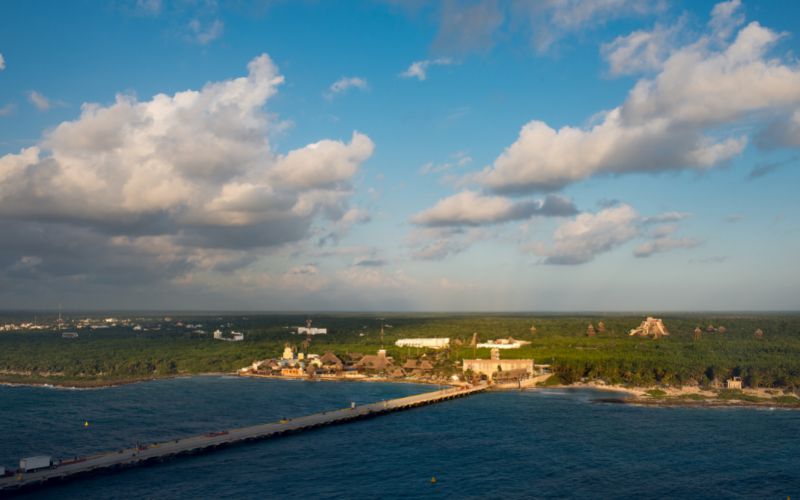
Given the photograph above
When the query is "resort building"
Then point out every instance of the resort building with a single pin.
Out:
(509, 343)
(417, 367)
(496, 369)
(429, 343)
(375, 362)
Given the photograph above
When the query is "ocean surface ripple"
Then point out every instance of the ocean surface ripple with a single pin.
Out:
(533, 444)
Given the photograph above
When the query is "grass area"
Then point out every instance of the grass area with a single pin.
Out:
(656, 393)
(737, 395)
(692, 397)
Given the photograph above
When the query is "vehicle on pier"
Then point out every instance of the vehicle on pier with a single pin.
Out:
(30, 464)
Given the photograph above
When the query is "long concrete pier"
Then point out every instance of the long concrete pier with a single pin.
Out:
(130, 457)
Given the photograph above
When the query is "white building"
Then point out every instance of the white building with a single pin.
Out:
(508, 343)
(431, 343)
(307, 330)
(235, 336)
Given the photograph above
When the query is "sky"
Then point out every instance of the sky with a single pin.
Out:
(462, 155)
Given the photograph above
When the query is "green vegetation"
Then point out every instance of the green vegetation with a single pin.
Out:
(612, 356)
(656, 393)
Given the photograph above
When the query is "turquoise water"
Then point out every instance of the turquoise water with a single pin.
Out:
(494, 445)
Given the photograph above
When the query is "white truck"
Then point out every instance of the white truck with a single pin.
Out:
(29, 464)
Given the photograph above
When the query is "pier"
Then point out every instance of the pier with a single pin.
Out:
(155, 452)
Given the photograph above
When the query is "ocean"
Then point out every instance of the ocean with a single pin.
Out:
(530, 444)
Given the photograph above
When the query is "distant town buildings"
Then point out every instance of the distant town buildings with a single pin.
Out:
(304, 330)
(427, 343)
(234, 336)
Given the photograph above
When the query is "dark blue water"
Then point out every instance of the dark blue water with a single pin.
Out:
(494, 445)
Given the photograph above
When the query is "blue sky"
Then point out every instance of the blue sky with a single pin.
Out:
(458, 155)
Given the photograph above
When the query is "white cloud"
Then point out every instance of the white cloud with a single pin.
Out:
(205, 34)
(194, 169)
(41, 102)
(345, 83)
(670, 122)
(666, 217)
(640, 51)
(477, 25)
(550, 21)
(7, 109)
(581, 239)
(470, 208)
(663, 244)
(726, 17)
(419, 69)
(2, 62)
(459, 159)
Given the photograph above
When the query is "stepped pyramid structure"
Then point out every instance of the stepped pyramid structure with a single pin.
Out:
(651, 326)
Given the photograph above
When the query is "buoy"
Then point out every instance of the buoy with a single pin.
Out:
(433, 480)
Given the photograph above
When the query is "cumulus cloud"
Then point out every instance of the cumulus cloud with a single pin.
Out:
(669, 122)
(205, 33)
(419, 69)
(2, 62)
(641, 51)
(588, 235)
(470, 208)
(194, 170)
(436, 243)
(726, 17)
(578, 241)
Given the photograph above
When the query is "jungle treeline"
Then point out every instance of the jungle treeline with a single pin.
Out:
(702, 349)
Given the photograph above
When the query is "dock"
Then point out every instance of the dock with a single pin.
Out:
(156, 452)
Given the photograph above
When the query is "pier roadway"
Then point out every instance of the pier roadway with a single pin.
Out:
(129, 457)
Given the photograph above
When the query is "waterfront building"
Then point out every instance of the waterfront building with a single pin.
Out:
(417, 367)
(427, 343)
(375, 362)
(494, 368)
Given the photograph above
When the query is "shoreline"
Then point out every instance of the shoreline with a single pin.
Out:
(685, 397)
